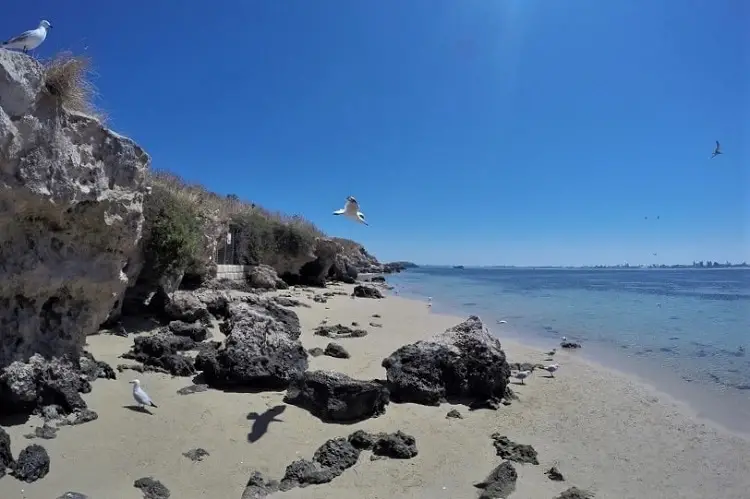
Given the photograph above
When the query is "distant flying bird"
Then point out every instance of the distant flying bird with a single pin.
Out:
(351, 211)
(717, 151)
(28, 40)
(140, 395)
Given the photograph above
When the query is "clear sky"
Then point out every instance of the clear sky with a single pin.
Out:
(476, 131)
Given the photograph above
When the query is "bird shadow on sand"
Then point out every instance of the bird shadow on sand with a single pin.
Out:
(137, 408)
(261, 422)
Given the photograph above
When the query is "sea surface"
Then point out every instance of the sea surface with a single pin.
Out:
(684, 331)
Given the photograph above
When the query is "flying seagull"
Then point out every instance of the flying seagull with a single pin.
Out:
(28, 40)
(140, 395)
(717, 151)
(351, 210)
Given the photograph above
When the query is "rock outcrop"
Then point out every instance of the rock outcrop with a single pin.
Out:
(335, 397)
(71, 217)
(262, 349)
(464, 364)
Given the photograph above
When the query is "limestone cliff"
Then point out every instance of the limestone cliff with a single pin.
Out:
(71, 216)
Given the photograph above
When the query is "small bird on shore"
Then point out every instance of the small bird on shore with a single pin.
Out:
(351, 211)
(28, 40)
(717, 150)
(522, 375)
(141, 396)
(551, 369)
(551, 352)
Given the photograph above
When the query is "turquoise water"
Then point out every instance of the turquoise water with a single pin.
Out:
(685, 330)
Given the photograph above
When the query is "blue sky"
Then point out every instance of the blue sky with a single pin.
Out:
(517, 132)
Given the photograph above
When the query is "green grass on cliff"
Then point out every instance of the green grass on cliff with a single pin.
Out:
(175, 206)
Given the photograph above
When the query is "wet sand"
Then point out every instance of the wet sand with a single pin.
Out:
(605, 432)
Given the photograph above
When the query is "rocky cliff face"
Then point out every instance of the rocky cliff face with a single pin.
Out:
(71, 217)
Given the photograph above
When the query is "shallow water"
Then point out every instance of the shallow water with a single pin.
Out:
(685, 330)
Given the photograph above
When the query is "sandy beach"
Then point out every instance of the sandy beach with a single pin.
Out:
(606, 433)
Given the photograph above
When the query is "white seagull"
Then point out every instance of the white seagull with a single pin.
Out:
(351, 210)
(522, 375)
(717, 151)
(140, 395)
(28, 40)
(551, 369)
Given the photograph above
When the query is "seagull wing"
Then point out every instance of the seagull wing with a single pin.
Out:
(141, 396)
(717, 145)
(21, 38)
(339, 212)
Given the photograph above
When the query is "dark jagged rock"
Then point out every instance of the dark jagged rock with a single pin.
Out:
(339, 331)
(152, 489)
(575, 493)
(45, 432)
(264, 277)
(289, 302)
(32, 464)
(366, 292)
(79, 418)
(196, 331)
(520, 453)
(336, 350)
(73, 495)
(329, 461)
(554, 474)
(570, 344)
(464, 364)
(335, 397)
(259, 487)
(28, 387)
(187, 390)
(396, 445)
(375, 324)
(94, 369)
(6, 456)
(454, 414)
(197, 454)
(262, 349)
(500, 483)
(160, 350)
(186, 306)
(320, 299)
(377, 278)
(316, 351)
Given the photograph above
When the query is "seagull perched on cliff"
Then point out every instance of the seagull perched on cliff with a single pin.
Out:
(141, 396)
(717, 150)
(28, 40)
(351, 210)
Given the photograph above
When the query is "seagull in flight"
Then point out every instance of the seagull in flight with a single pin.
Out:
(351, 210)
(140, 395)
(717, 151)
(28, 40)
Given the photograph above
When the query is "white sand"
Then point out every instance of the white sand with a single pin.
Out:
(605, 432)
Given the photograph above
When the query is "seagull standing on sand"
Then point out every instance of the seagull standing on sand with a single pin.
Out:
(351, 211)
(551, 369)
(28, 40)
(522, 375)
(717, 151)
(141, 396)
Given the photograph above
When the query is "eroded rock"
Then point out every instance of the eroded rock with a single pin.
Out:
(336, 350)
(151, 488)
(520, 453)
(366, 292)
(262, 349)
(500, 483)
(264, 277)
(339, 331)
(575, 493)
(463, 364)
(32, 464)
(335, 397)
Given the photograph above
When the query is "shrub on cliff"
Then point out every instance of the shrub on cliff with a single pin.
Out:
(173, 231)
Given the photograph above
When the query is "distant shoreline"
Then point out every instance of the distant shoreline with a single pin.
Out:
(595, 267)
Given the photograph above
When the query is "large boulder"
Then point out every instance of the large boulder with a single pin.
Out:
(315, 273)
(463, 364)
(71, 217)
(264, 277)
(262, 349)
(335, 397)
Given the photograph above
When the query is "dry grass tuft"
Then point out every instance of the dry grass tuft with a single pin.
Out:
(67, 78)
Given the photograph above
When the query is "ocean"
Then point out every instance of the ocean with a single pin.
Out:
(684, 331)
